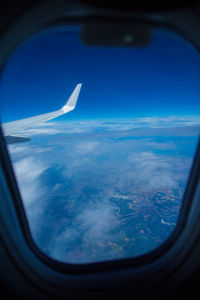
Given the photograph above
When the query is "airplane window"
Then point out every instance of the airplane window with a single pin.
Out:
(103, 143)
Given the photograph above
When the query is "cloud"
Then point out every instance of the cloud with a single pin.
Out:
(14, 149)
(86, 147)
(155, 171)
(161, 146)
(92, 229)
(23, 150)
(72, 127)
(98, 222)
(27, 173)
(78, 188)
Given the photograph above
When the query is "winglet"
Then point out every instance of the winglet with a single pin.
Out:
(71, 102)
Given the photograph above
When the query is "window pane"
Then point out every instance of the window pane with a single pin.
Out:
(106, 180)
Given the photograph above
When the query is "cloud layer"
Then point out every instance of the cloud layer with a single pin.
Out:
(50, 128)
(103, 190)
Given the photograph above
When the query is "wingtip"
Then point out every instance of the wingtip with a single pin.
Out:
(71, 102)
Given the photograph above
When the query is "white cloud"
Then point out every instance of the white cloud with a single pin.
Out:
(33, 193)
(93, 168)
(86, 147)
(53, 128)
(24, 150)
(27, 173)
(15, 149)
(161, 146)
(98, 222)
(154, 171)
(92, 227)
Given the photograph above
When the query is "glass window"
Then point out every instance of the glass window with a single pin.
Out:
(106, 180)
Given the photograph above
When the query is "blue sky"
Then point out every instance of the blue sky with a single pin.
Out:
(161, 80)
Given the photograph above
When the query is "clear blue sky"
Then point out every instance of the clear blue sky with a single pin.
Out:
(161, 80)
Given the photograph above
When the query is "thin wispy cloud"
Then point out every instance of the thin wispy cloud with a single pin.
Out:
(53, 128)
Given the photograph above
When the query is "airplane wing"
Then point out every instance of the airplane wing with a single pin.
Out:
(12, 129)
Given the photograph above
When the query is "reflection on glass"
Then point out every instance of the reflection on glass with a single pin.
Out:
(105, 181)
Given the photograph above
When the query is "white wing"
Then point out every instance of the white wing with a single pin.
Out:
(12, 129)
